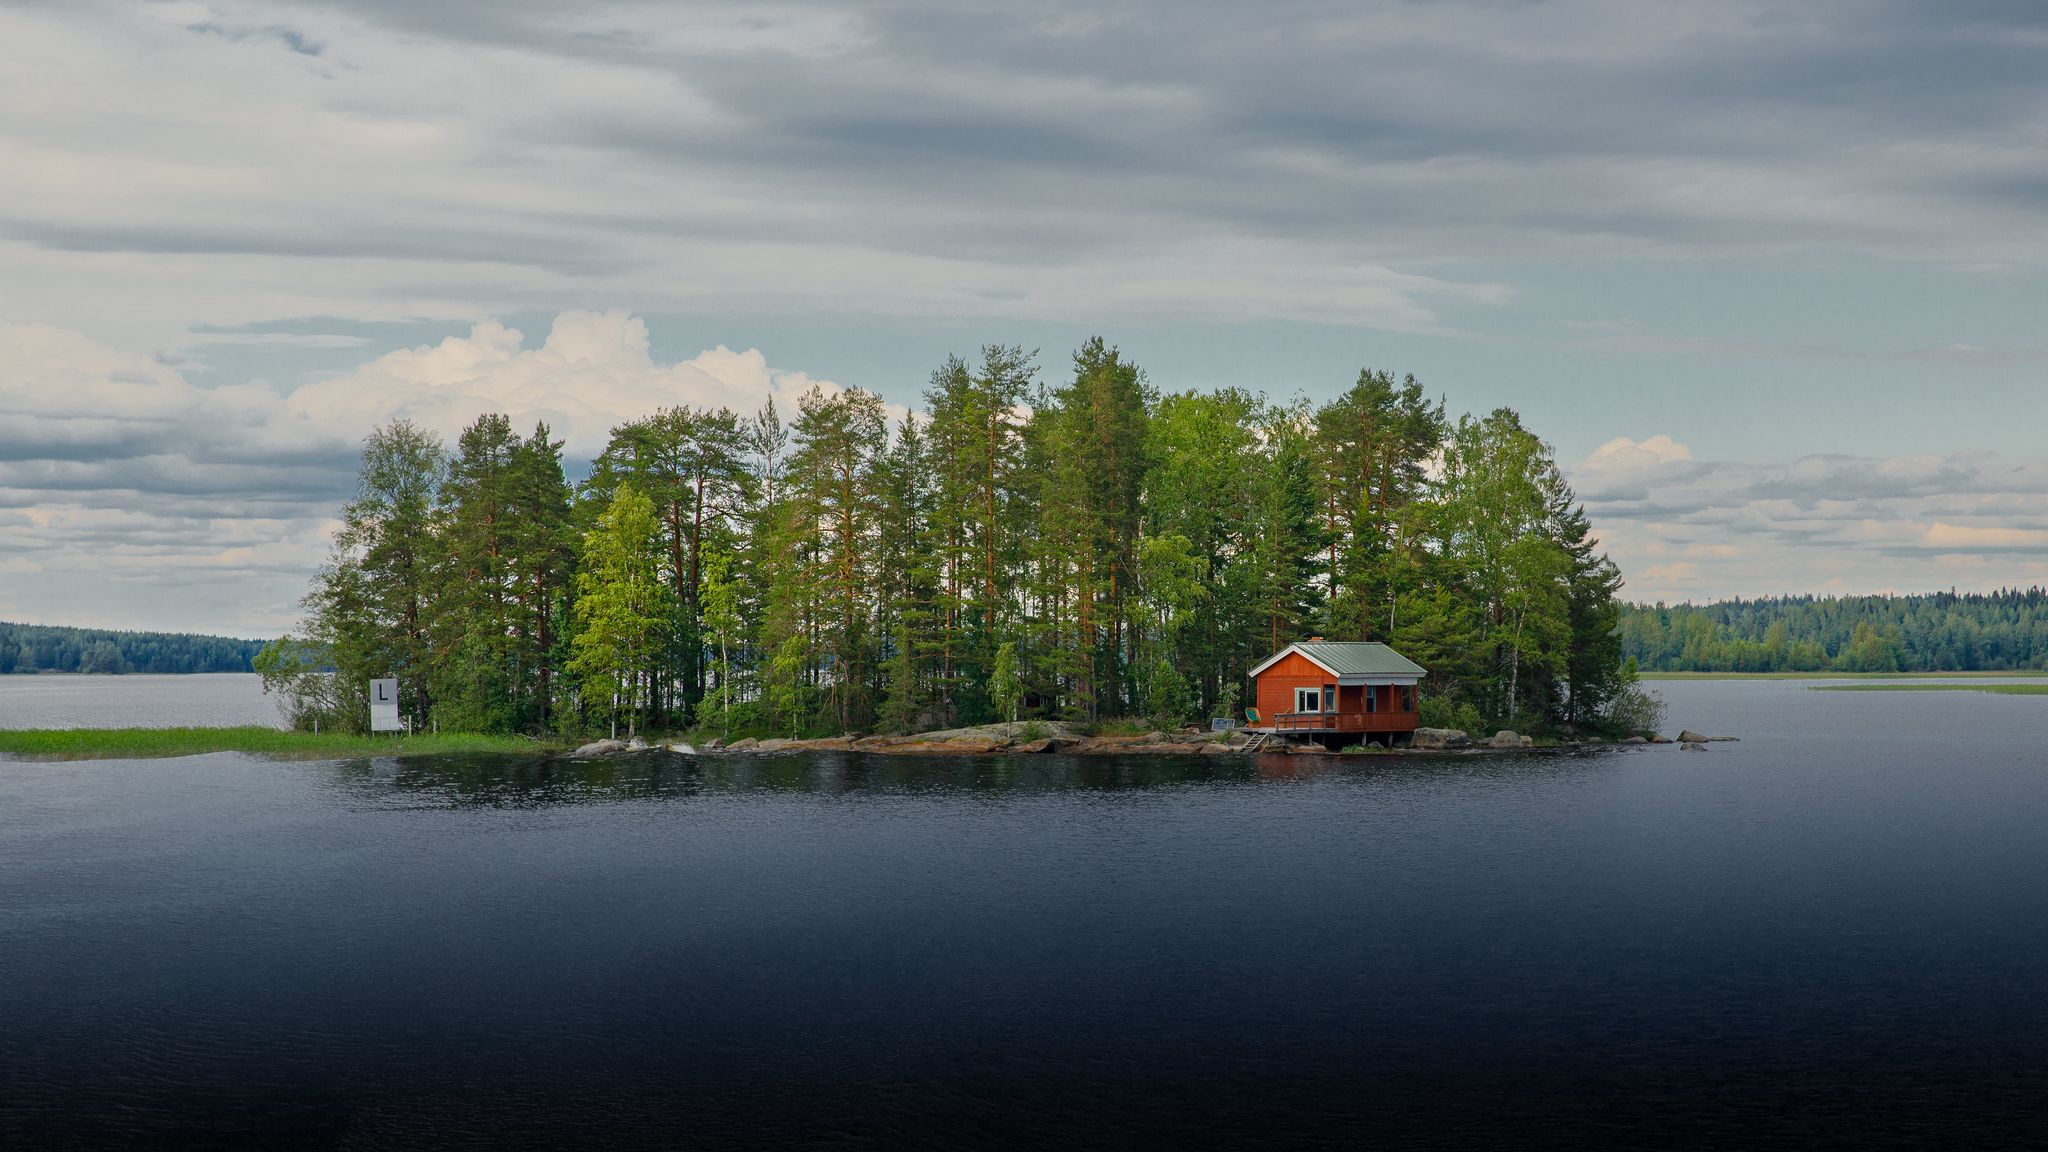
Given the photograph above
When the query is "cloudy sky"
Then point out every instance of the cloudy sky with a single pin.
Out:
(1769, 275)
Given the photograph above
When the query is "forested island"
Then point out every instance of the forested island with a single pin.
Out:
(1998, 631)
(28, 648)
(1087, 549)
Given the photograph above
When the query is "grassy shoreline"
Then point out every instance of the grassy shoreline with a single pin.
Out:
(150, 743)
(2015, 674)
(1998, 689)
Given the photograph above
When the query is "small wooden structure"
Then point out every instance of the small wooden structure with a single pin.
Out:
(1337, 692)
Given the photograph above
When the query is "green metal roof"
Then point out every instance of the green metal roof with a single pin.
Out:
(1355, 658)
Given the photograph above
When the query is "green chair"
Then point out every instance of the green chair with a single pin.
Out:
(1253, 719)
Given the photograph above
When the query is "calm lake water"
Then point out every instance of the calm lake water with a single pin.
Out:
(1830, 934)
(211, 701)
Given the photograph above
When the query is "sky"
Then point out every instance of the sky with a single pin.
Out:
(1769, 276)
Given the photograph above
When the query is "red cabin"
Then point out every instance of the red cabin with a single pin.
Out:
(1337, 692)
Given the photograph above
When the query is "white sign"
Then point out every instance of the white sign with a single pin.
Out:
(384, 706)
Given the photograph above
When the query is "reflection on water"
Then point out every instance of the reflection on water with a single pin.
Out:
(1827, 934)
(515, 782)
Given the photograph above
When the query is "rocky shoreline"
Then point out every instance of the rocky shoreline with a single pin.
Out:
(1043, 737)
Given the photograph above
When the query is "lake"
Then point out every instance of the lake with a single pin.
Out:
(1829, 934)
(215, 700)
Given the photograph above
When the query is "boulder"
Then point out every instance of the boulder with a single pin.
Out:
(1692, 746)
(1214, 748)
(1635, 740)
(601, 748)
(1691, 737)
(1433, 739)
(636, 744)
(746, 745)
(713, 745)
(1660, 739)
(1505, 738)
(1032, 747)
(1528, 741)
(1062, 744)
(775, 744)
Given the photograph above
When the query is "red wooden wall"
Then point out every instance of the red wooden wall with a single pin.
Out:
(1276, 687)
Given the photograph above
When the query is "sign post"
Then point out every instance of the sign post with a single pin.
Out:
(384, 706)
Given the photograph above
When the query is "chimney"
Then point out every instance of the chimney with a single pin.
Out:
(1315, 639)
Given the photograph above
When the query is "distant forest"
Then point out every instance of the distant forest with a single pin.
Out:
(1936, 632)
(42, 648)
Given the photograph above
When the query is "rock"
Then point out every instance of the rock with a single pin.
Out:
(972, 747)
(1434, 739)
(602, 748)
(1528, 741)
(1722, 739)
(776, 744)
(714, 745)
(1595, 740)
(922, 748)
(1061, 744)
(1660, 739)
(1505, 738)
(1691, 737)
(746, 745)
(1635, 740)
(682, 749)
(1692, 746)
(636, 744)
(1216, 749)
(1032, 747)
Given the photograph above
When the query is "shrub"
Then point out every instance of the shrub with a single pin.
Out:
(1443, 712)
(1635, 709)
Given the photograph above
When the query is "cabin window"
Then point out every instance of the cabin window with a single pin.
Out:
(1408, 698)
(1372, 698)
(1308, 700)
(1329, 697)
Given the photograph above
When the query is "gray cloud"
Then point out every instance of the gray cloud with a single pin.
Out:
(1162, 159)
(1683, 528)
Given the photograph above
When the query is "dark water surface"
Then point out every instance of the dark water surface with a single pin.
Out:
(1833, 933)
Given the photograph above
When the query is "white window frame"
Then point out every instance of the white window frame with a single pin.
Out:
(1302, 694)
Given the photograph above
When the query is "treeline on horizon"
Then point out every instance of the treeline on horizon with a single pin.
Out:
(1086, 548)
(28, 648)
(1932, 632)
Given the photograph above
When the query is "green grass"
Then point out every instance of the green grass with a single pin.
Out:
(141, 743)
(2015, 673)
(2001, 689)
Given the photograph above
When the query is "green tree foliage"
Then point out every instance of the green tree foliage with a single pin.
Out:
(371, 606)
(1084, 548)
(1004, 687)
(619, 607)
